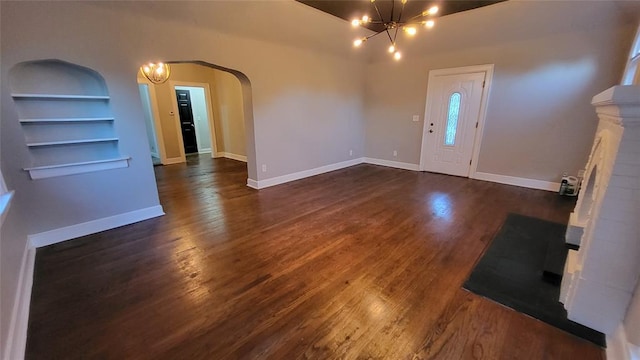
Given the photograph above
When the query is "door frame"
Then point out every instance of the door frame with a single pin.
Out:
(155, 114)
(154, 133)
(174, 103)
(477, 139)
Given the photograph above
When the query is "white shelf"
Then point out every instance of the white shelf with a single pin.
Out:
(60, 97)
(69, 142)
(63, 120)
(46, 171)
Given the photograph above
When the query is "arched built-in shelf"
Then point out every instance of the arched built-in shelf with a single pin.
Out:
(66, 118)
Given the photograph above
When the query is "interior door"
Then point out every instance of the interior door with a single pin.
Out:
(186, 121)
(451, 121)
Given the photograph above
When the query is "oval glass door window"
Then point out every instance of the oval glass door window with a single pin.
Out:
(452, 119)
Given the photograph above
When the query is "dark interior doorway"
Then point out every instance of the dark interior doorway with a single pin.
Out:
(187, 125)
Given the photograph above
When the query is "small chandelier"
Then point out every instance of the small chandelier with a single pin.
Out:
(392, 25)
(157, 73)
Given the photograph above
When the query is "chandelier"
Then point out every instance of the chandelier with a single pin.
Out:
(157, 73)
(393, 25)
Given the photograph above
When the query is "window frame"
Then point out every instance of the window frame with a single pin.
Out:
(631, 75)
(457, 117)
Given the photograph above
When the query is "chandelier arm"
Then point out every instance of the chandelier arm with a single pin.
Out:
(401, 9)
(393, 6)
(395, 35)
(378, 11)
(376, 34)
(417, 17)
(389, 35)
(409, 23)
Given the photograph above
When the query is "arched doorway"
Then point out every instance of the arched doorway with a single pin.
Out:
(223, 125)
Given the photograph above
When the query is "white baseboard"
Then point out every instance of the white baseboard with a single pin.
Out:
(517, 181)
(393, 164)
(261, 184)
(502, 179)
(619, 348)
(232, 156)
(204, 151)
(252, 184)
(19, 321)
(91, 227)
(171, 161)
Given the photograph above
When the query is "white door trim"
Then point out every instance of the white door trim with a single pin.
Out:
(207, 95)
(488, 70)
(155, 114)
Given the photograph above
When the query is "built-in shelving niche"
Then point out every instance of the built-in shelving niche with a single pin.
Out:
(66, 119)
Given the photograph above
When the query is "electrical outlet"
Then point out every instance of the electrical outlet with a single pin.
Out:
(395, 153)
(350, 152)
(416, 118)
(264, 167)
(580, 173)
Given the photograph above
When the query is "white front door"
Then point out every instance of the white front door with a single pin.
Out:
(452, 116)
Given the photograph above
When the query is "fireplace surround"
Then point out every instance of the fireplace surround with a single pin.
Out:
(601, 276)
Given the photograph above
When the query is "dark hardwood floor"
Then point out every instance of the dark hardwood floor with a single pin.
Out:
(365, 262)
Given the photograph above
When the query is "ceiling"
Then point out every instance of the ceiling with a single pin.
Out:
(355, 9)
(294, 24)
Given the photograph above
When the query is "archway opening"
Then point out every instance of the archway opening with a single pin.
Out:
(202, 109)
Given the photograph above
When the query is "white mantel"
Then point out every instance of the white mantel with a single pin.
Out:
(601, 277)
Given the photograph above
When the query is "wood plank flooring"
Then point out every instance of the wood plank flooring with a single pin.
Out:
(361, 263)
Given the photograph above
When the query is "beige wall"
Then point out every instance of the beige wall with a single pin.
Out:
(228, 107)
(226, 110)
(539, 120)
